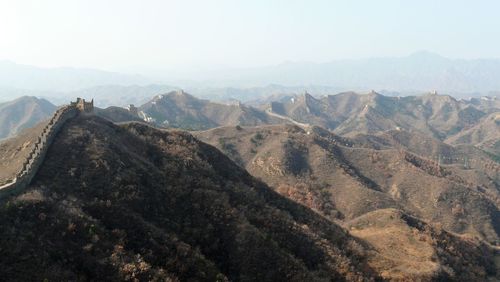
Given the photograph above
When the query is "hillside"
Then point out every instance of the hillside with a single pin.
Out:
(134, 203)
(182, 110)
(346, 179)
(117, 114)
(424, 146)
(22, 113)
(484, 135)
(15, 150)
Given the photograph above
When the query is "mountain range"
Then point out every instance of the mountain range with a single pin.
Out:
(131, 202)
(438, 116)
(355, 187)
(180, 109)
(441, 117)
(416, 73)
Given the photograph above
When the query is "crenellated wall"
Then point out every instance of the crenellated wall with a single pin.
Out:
(37, 155)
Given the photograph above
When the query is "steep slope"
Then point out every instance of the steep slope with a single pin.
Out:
(23, 113)
(15, 150)
(135, 203)
(348, 112)
(368, 121)
(424, 146)
(344, 179)
(179, 109)
(444, 114)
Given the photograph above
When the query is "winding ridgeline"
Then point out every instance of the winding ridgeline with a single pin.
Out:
(37, 155)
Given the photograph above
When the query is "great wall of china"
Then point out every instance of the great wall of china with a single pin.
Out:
(40, 147)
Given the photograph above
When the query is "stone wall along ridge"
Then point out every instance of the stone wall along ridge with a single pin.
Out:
(37, 154)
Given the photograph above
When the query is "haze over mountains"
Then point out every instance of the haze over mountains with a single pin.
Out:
(17, 76)
(266, 141)
(417, 73)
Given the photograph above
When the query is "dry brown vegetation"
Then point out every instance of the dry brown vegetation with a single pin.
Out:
(137, 204)
(347, 180)
(181, 110)
(14, 151)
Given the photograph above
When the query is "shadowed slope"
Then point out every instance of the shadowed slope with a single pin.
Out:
(119, 203)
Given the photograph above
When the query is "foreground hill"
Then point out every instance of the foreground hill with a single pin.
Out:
(133, 203)
(23, 113)
(349, 179)
(179, 109)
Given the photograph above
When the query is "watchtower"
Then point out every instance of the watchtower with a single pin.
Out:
(83, 106)
(133, 109)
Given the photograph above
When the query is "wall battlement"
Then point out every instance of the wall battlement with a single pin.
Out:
(35, 158)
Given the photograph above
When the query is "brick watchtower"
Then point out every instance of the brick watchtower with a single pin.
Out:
(83, 106)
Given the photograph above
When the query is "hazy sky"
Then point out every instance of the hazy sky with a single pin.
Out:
(118, 34)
